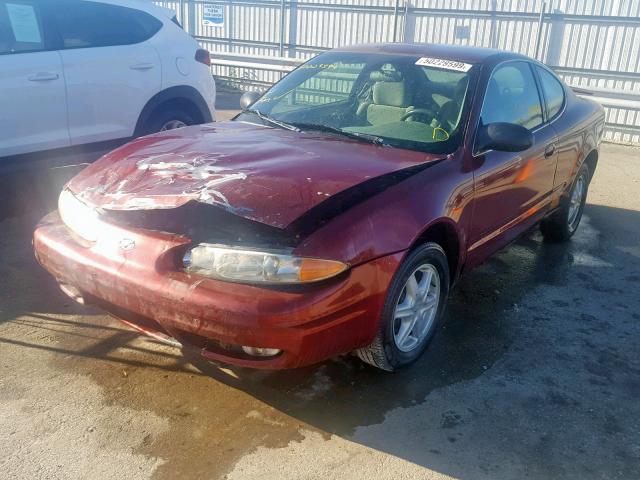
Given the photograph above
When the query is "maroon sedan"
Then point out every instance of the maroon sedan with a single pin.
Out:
(334, 213)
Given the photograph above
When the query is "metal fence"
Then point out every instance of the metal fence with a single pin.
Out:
(592, 44)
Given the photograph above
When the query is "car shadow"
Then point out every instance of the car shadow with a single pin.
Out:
(32, 189)
(472, 338)
(563, 384)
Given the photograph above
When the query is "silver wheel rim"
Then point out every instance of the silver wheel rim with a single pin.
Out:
(416, 309)
(172, 125)
(576, 203)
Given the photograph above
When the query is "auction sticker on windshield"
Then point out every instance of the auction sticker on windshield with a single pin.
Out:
(444, 64)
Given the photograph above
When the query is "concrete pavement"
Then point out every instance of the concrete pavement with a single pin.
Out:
(535, 374)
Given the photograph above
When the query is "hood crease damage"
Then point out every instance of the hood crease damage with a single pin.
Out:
(291, 181)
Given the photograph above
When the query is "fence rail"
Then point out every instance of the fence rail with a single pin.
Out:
(593, 45)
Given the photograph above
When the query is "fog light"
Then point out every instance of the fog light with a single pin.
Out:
(261, 352)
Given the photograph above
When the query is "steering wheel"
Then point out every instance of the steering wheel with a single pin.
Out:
(430, 114)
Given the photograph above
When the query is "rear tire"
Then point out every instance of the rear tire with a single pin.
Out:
(563, 223)
(415, 304)
(168, 119)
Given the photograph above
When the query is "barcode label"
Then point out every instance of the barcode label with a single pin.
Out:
(444, 64)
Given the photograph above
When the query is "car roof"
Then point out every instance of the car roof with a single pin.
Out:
(143, 5)
(459, 53)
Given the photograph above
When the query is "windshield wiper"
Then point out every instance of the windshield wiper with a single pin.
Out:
(363, 137)
(273, 121)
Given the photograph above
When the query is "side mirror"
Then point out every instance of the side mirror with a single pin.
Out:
(505, 137)
(248, 98)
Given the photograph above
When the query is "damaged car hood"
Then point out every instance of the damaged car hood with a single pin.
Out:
(269, 175)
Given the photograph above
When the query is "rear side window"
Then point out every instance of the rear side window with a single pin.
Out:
(83, 24)
(512, 97)
(553, 92)
(20, 27)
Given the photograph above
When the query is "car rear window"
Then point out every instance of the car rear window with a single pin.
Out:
(20, 27)
(83, 24)
(553, 92)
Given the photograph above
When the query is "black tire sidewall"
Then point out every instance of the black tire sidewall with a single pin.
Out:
(156, 121)
(433, 254)
(555, 228)
(583, 172)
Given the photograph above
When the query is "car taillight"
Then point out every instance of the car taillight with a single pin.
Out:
(203, 56)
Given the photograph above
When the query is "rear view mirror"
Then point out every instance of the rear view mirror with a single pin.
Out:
(506, 137)
(248, 98)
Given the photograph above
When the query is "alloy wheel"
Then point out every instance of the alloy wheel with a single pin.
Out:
(575, 203)
(417, 307)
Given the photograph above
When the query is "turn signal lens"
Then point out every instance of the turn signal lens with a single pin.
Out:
(249, 266)
(312, 269)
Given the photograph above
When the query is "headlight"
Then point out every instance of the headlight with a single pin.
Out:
(249, 266)
(78, 217)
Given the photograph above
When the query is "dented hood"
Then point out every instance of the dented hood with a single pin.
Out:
(269, 175)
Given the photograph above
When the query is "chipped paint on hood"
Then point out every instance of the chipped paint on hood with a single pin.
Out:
(269, 175)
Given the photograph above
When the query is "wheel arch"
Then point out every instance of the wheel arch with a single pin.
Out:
(445, 233)
(183, 96)
(591, 160)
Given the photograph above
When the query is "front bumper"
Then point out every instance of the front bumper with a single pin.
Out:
(145, 285)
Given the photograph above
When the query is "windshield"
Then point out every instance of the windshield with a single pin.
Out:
(404, 101)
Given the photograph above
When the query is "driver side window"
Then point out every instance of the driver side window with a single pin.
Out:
(512, 97)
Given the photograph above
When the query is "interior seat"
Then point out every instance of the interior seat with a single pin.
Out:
(390, 98)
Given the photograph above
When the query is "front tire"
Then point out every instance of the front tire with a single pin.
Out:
(563, 223)
(414, 307)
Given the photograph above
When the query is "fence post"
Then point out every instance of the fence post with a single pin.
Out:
(292, 28)
(408, 31)
(395, 21)
(191, 16)
(229, 27)
(282, 17)
(540, 26)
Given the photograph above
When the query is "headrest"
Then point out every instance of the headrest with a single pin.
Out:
(393, 94)
(385, 76)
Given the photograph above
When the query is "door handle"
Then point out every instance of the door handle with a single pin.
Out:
(43, 77)
(142, 66)
(550, 150)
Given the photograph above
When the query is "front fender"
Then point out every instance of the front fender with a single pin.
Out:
(394, 219)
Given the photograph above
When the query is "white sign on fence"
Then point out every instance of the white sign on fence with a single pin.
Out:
(213, 16)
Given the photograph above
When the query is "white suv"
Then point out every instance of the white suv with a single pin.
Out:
(78, 72)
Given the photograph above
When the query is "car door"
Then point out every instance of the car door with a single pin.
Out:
(512, 190)
(111, 70)
(33, 109)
